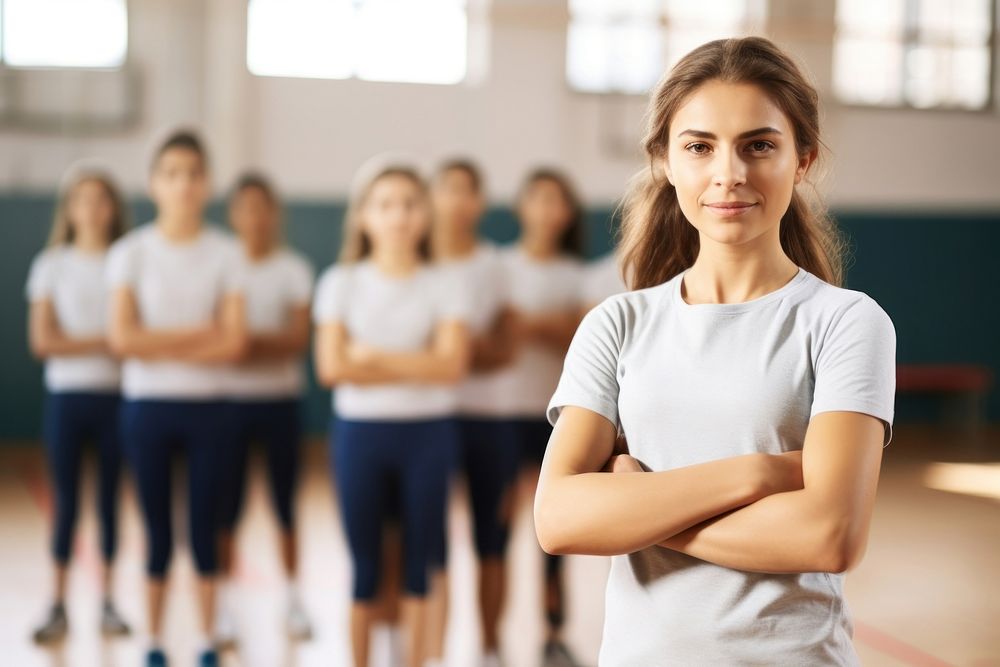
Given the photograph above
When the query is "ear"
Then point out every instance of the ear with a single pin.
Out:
(666, 170)
(804, 163)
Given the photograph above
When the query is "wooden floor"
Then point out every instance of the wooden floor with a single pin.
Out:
(927, 594)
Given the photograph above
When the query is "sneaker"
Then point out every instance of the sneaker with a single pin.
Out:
(557, 654)
(208, 658)
(54, 628)
(297, 622)
(155, 657)
(112, 624)
(225, 631)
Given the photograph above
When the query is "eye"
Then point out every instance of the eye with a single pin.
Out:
(702, 148)
(761, 146)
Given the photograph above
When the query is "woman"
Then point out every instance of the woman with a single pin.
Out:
(755, 394)
(177, 318)
(67, 328)
(391, 339)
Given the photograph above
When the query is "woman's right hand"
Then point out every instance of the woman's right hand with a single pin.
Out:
(781, 472)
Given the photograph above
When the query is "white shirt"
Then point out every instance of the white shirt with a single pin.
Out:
(176, 286)
(483, 275)
(602, 279)
(393, 314)
(690, 383)
(535, 287)
(73, 281)
(275, 285)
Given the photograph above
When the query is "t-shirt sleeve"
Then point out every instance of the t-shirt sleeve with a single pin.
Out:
(300, 281)
(122, 267)
(41, 278)
(454, 296)
(856, 366)
(590, 371)
(330, 302)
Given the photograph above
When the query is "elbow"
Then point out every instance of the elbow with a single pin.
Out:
(550, 529)
(329, 374)
(842, 548)
(39, 348)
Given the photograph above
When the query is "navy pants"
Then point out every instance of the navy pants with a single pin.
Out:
(489, 458)
(370, 459)
(153, 431)
(277, 425)
(71, 420)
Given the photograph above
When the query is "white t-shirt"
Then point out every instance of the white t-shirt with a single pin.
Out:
(393, 314)
(176, 286)
(274, 286)
(482, 275)
(602, 279)
(536, 287)
(73, 281)
(694, 383)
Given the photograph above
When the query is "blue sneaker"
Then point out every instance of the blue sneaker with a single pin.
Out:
(156, 658)
(208, 658)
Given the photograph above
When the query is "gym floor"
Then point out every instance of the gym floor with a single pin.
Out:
(926, 594)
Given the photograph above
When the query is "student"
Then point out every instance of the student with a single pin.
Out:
(543, 273)
(265, 389)
(67, 323)
(391, 339)
(488, 455)
(177, 318)
(756, 392)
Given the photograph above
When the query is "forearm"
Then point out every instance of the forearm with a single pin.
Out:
(226, 348)
(553, 329)
(142, 343)
(785, 533)
(276, 347)
(56, 344)
(424, 366)
(618, 513)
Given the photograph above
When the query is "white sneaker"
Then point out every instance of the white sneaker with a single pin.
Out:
(53, 628)
(297, 622)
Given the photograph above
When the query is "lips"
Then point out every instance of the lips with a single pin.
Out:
(730, 209)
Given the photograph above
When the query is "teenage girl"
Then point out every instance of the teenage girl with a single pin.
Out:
(391, 339)
(543, 273)
(756, 392)
(177, 319)
(488, 454)
(266, 388)
(67, 328)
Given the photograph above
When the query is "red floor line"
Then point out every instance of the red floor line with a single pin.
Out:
(889, 645)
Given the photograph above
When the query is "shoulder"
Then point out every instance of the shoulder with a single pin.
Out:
(620, 315)
(49, 258)
(839, 308)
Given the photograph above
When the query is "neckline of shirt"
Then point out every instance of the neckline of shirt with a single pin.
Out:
(797, 280)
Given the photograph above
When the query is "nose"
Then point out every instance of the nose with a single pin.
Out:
(730, 170)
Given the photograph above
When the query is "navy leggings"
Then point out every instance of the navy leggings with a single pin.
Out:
(489, 459)
(71, 420)
(277, 425)
(369, 458)
(153, 430)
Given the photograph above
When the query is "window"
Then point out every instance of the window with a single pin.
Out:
(917, 53)
(626, 45)
(416, 41)
(63, 33)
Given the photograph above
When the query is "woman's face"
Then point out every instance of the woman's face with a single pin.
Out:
(395, 213)
(253, 216)
(90, 210)
(457, 202)
(179, 184)
(543, 210)
(733, 162)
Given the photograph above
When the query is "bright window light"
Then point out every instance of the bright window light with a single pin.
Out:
(64, 33)
(415, 41)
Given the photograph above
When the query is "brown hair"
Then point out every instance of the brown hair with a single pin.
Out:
(185, 140)
(356, 244)
(572, 238)
(657, 241)
(467, 167)
(62, 230)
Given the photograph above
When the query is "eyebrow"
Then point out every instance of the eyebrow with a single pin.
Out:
(701, 134)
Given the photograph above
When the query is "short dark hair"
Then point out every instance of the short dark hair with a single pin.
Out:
(254, 180)
(185, 140)
(466, 166)
(572, 239)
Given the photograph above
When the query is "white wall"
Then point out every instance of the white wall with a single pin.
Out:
(313, 134)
